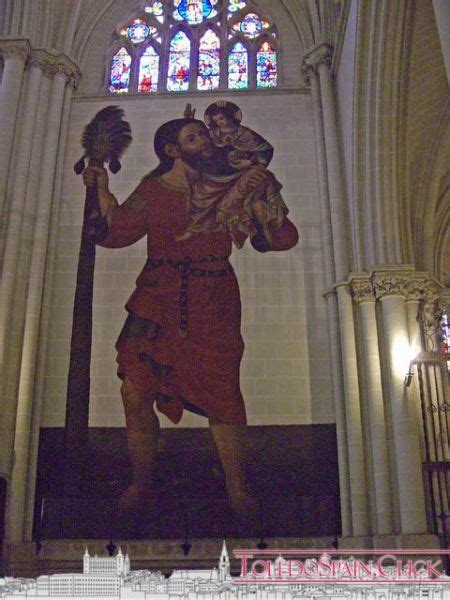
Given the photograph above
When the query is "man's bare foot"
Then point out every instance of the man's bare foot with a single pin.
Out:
(133, 497)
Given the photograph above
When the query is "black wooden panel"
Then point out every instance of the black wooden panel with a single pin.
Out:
(291, 470)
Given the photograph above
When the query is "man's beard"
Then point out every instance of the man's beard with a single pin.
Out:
(198, 162)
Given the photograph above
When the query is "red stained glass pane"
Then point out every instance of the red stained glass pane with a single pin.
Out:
(149, 71)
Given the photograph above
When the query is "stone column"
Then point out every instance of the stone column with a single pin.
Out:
(373, 410)
(311, 78)
(320, 59)
(391, 289)
(14, 54)
(61, 70)
(15, 215)
(41, 359)
(355, 444)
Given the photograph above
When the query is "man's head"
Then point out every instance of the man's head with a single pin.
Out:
(187, 139)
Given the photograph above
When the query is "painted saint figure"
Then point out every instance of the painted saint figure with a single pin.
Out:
(181, 345)
(219, 201)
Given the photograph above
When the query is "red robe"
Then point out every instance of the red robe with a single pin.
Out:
(182, 342)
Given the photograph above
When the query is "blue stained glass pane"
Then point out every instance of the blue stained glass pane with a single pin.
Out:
(194, 11)
(251, 26)
(209, 62)
(120, 72)
(266, 66)
(139, 31)
(149, 71)
(179, 63)
(238, 67)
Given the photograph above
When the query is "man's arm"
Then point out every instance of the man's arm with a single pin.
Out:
(284, 236)
(120, 225)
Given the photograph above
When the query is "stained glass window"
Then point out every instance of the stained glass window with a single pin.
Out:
(209, 62)
(149, 71)
(235, 5)
(251, 26)
(120, 72)
(238, 67)
(266, 66)
(139, 31)
(180, 45)
(445, 338)
(179, 63)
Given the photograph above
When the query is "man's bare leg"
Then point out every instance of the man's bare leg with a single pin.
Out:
(229, 442)
(142, 441)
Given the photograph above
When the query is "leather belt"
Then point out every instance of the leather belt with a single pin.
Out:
(185, 268)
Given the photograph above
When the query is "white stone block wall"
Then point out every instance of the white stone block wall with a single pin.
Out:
(286, 368)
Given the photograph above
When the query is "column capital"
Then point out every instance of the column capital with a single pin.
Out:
(414, 286)
(362, 290)
(14, 48)
(53, 63)
(322, 54)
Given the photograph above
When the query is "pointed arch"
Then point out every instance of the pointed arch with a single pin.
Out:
(228, 48)
(208, 61)
(120, 71)
(266, 65)
(148, 71)
(238, 67)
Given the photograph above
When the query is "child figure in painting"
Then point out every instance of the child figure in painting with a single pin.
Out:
(220, 200)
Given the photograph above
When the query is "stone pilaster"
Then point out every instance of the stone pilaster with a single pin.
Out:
(48, 81)
(374, 418)
(318, 61)
(355, 443)
(14, 54)
(392, 287)
(312, 79)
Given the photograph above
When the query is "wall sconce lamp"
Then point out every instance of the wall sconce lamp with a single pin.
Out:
(408, 377)
(414, 356)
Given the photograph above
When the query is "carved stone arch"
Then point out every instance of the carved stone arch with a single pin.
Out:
(431, 215)
(442, 246)
(380, 226)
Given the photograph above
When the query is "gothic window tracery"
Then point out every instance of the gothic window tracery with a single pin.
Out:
(194, 45)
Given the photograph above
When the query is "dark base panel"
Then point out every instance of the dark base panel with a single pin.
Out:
(291, 471)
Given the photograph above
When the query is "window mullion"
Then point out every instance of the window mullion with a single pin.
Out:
(252, 49)
(224, 49)
(195, 37)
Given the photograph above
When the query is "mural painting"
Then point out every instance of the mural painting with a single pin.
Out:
(181, 344)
